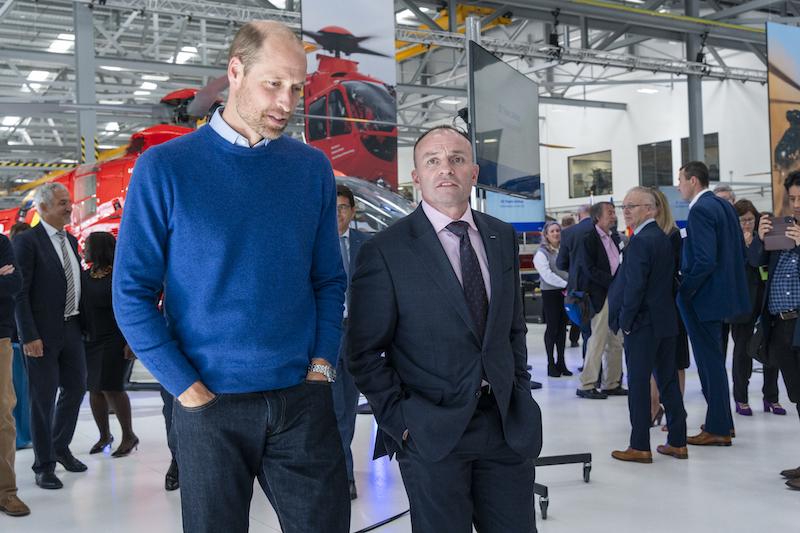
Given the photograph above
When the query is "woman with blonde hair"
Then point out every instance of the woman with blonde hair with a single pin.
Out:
(666, 222)
(552, 283)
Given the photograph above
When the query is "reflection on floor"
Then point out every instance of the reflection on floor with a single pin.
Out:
(733, 489)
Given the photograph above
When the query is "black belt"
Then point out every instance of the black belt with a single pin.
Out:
(788, 315)
(69, 318)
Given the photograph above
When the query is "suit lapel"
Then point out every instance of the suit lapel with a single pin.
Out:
(49, 250)
(427, 247)
(491, 243)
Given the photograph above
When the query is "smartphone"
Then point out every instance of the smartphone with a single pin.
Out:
(776, 239)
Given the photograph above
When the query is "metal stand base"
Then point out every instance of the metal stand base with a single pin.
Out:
(578, 458)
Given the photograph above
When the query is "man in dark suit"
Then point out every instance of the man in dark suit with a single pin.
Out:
(48, 314)
(438, 293)
(571, 237)
(640, 304)
(710, 293)
(781, 305)
(598, 259)
(345, 392)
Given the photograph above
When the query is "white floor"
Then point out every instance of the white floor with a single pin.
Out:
(732, 490)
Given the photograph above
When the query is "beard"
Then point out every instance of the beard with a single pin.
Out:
(259, 121)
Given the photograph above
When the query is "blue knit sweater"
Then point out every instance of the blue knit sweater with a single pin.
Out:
(244, 244)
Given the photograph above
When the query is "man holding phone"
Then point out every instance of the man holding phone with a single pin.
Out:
(782, 301)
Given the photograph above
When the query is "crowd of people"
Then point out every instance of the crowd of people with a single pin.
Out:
(656, 287)
(263, 344)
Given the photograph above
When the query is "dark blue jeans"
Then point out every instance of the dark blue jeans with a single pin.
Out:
(285, 438)
(345, 405)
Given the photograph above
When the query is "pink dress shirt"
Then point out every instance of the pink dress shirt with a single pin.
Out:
(450, 241)
(611, 249)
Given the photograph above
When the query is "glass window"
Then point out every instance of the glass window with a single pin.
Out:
(336, 109)
(371, 101)
(590, 174)
(710, 157)
(317, 128)
(655, 164)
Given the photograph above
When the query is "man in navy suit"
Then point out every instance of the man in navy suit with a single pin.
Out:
(713, 288)
(639, 304)
(781, 305)
(48, 321)
(345, 392)
(571, 237)
(437, 345)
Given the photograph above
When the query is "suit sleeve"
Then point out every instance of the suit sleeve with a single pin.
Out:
(25, 252)
(140, 266)
(519, 329)
(328, 277)
(372, 321)
(562, 259)
(702, 238)
(637, 271)
(10, 284)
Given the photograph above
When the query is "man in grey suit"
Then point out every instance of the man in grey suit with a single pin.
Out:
(437, 345)
(345, 392)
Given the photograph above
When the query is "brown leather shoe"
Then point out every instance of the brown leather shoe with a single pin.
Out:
(13, 506)
(704, 438)
(791, 473)
(793, 484)
(703, 428)
(636, 456)
(677, 452)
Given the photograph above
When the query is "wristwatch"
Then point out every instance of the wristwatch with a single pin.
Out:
(326, 370)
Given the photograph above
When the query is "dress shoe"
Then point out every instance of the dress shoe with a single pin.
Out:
(171, 479)
(677, 452)
(48, 480)
(101, 444)
(69, 462)
(793, 483)
(705, 438)
(126, 447)
(634, 456)
(591, 394)
(535, 385)
(617, 391)
(553, 372)
(776, 408)
(353, 491)
(13, 506)
(792, 473)
(703, 428)
(744, 409)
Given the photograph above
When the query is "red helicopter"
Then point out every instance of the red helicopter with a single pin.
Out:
(348, 115)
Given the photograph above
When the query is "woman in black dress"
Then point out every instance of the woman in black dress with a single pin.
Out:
(666, 222)
(107, 354)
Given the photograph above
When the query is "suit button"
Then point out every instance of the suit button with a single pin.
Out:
(478, 394)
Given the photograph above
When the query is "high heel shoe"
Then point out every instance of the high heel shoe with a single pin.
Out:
(101, 444)
(776, 408)
(744, 409)
(658, 417)
(125, 448)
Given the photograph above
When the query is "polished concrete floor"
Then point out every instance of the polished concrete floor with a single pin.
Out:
(732, 490)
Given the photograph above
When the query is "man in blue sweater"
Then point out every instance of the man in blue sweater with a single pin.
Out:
(236, 224)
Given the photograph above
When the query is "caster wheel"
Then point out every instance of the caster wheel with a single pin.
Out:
(586, 471)
(543, 504)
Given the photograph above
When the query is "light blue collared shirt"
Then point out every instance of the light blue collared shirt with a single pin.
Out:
(224, 130)
(643, 224)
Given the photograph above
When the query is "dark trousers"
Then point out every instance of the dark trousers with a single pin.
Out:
(574, 333)
(706, 339)
(345, 404)
(61, 370)
(22, 411)
(285, 438)
(481, 482)
(166, 410)
(556, 320)
(788, 357)
(645, 356)
(743, 367)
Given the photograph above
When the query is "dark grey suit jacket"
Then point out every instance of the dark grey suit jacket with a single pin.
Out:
(407, 303)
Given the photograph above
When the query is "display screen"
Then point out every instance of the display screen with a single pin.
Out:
(504, 124)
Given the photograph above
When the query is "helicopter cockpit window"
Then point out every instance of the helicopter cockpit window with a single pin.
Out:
(336, 109)
(317, 126)
(371, 101)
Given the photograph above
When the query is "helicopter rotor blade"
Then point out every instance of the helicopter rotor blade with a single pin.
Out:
(206, 97)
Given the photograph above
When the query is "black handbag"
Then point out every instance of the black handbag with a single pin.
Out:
(756, 347)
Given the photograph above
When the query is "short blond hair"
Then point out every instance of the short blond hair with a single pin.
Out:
(250, 38)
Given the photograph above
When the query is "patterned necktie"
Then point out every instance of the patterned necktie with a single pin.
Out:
(69, 307)
(471, 276)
